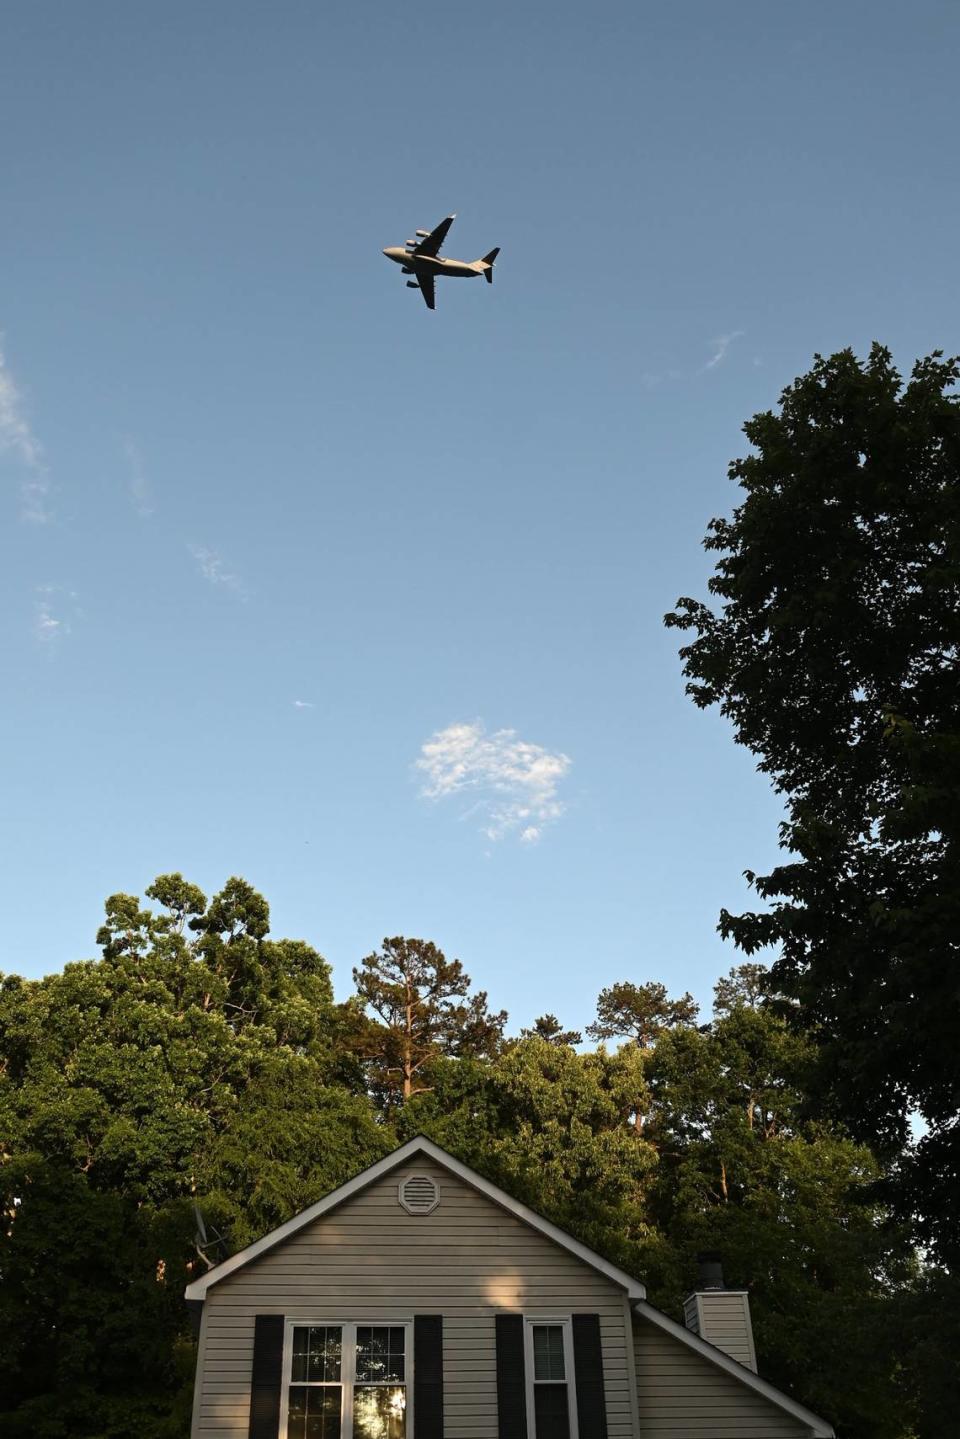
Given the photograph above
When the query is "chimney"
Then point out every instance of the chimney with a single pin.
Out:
(720, 1315)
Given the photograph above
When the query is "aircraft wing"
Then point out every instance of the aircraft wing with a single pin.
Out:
(425, 278)
(431, 245)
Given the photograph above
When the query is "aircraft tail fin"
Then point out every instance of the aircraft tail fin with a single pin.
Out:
(488, 261)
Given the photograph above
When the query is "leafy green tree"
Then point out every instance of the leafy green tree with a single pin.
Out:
(424, 1010)
(790, 1203)
(91, 1310)
(197, 1061)
(834, 649)
(549, 1029)
(555, 1129)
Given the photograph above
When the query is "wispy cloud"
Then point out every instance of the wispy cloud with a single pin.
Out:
(138, 486)
(719, 349)
(212, 567)
(18, 439)
(720, 346)
(53, 609)
(514, 783)
(304, 705)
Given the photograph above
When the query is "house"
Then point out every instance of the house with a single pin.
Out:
(419, 1301)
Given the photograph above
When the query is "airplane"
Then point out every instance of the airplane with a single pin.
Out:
(421, 257)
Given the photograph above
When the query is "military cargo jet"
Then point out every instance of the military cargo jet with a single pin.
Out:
(421, 257)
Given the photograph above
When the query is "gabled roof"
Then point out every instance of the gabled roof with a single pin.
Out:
(817, 1426)
(427, 1149)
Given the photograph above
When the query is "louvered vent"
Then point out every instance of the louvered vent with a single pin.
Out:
(419, 1194)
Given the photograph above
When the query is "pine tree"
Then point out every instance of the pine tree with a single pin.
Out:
(424, 1010)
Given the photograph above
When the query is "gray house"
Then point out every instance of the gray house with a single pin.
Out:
(419, 1301)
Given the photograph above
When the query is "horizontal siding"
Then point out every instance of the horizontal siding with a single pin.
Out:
(682, 1394)
(371, 1260)
(723, 1319)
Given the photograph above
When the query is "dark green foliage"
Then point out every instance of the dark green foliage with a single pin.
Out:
(200, 1061)
(91, 1313)
(197, 1059)
(791, 1204)
(835, 651)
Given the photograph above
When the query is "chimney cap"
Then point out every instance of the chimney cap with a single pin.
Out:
(710, 1275)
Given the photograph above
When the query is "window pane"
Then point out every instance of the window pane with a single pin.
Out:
(313, 1413)
(316, 1354)
(380, 1353)
(395, 1354)
(379, 1412)
(548, 1352)
(552, 1411)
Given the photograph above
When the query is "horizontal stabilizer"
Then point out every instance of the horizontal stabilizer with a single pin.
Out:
(488, 261)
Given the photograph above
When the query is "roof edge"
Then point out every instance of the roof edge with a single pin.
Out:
(419, 1145)
(818, 1427)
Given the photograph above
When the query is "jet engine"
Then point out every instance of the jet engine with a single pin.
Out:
(412, 285)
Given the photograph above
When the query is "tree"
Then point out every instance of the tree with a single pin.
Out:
(421, 1000)
(639, 1012)
(555, 1129)
(197, 1060)
(551, 1031)
(91, 1312)
(834, 650)
(791, 1204)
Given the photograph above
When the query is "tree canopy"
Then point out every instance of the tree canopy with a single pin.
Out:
(833, 649)
(198, 1084)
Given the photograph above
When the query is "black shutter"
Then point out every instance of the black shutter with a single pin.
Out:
(428, 1376)
(511, 1389)
(588, 1367)
(267, 1377)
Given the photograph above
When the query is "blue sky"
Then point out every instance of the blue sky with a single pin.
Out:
(270, 527)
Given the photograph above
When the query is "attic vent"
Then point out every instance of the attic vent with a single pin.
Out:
(419, 1194)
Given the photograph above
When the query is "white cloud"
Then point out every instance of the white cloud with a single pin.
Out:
(720, 346)
(514, 783)
(17, 438)
(49, 624)
(138, 486)
(304, 705)
(213, 569)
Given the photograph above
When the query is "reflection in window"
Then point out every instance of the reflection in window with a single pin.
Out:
(380, 1353)
(316, 1355)
(313, 1413)
(379, 1412)
(347, 1381)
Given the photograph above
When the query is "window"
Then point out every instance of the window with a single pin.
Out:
(347, 1381)
(551, 1400)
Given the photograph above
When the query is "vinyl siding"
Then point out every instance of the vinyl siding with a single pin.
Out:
(370, 1260)
(722, 1317)
(683, 1396)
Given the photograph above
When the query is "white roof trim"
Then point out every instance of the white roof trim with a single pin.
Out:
(419, 1146)
(817, 1426)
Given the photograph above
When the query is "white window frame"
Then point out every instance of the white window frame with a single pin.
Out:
(348, 1365)
(530, 1322)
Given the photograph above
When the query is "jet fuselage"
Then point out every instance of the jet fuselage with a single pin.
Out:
(467, 269)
